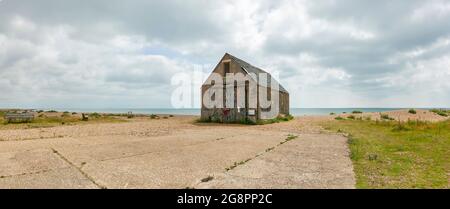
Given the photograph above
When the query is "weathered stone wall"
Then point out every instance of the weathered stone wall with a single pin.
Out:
(284, 103)
(226, 115)
(232, 114)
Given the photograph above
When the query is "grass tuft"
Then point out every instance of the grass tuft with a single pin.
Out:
(246, 121)
(279, 118)
(339, 118)
(94, 115)
(291, 137)
(441, 112)
(392, 154)
(385, 117)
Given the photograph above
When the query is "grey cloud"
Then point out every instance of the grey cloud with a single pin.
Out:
(159, 20)
(357, 46)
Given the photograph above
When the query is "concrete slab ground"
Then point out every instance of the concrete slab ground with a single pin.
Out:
(179, 158)
(310, 161)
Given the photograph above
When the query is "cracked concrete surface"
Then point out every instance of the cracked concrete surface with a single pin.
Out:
(310, 161)
(180, 158)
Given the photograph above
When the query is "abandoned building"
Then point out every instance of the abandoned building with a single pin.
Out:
(250, 110)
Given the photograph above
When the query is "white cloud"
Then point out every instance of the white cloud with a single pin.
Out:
(417, 52)
(292, 21)
(20, 24)
(307, 77)
(434, 74)
(328, 53)
(433, 9)
(57, 67)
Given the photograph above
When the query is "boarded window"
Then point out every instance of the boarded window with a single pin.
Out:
(235, 94)
(226, 67)
(246, 94)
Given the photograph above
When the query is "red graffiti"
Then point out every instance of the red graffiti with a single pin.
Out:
(226, 112)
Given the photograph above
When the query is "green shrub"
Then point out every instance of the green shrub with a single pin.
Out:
(386, 117)
(284, 117)
(94, 115)
(356, 112)
(440, 112)
(279, 118)
(352, 117)
(412, 111)
(332, 113)
(339, 118)
(247, 121)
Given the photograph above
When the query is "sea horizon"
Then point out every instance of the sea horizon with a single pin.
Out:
(196, 111)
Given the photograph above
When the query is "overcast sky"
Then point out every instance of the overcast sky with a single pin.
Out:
(111, 53)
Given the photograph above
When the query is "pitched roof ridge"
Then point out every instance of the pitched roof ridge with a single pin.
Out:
(249, 68)
(241, 61)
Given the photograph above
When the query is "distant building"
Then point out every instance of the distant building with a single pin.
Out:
(241, 100)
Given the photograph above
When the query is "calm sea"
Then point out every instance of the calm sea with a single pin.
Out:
(294, 111)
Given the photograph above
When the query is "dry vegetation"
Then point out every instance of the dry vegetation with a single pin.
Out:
(395, 154)
(278, 119)
(53, 118)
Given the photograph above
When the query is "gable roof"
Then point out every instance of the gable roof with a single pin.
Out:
(252, 69)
